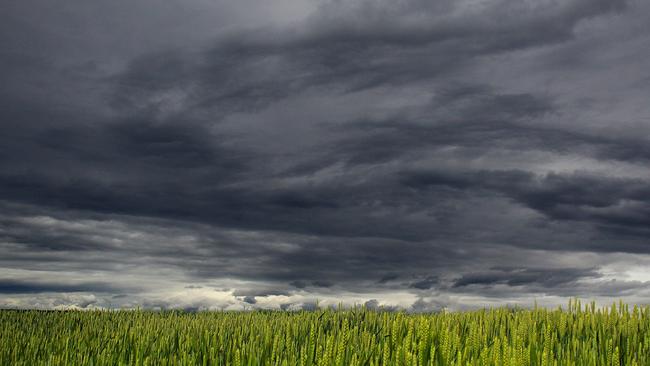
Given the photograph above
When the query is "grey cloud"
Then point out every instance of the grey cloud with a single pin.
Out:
(368, 149)
(322, 284)
(373, 304)
(526, 276)
(425, 284)
(251, 70)
(426, 306)
(9, 286)
(250, 299)
(477, 119)
(388, 278)
(581, 197)
(298, 284)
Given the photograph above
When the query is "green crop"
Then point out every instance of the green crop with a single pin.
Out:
(610, 336)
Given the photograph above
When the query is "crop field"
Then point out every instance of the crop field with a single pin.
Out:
(617, 335)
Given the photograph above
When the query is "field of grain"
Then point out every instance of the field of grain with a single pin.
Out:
(577, 335)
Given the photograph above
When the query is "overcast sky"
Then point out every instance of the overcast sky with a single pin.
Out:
(213, 154)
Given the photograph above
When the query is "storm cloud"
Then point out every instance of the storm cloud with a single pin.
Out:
(398, 154)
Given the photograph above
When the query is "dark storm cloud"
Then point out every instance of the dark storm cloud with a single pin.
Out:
(425, 284)
(467, 117)
(341, 48)
(250, 299)
(8, 286)
(477, 119)
(605, 201)
(151, 149)
(298, 284)
(388, 277)
(359, 148)
(513, 282)
(525, 277)
(287, 262)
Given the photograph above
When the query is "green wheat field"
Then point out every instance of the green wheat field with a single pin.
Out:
(576, 335)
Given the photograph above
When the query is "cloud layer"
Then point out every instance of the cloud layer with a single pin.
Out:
(409, 154)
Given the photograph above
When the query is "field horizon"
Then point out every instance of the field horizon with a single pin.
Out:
(575, 335)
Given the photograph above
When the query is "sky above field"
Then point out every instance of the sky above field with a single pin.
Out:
(221, 154)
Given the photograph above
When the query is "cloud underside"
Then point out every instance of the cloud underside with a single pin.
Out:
(408, 154)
